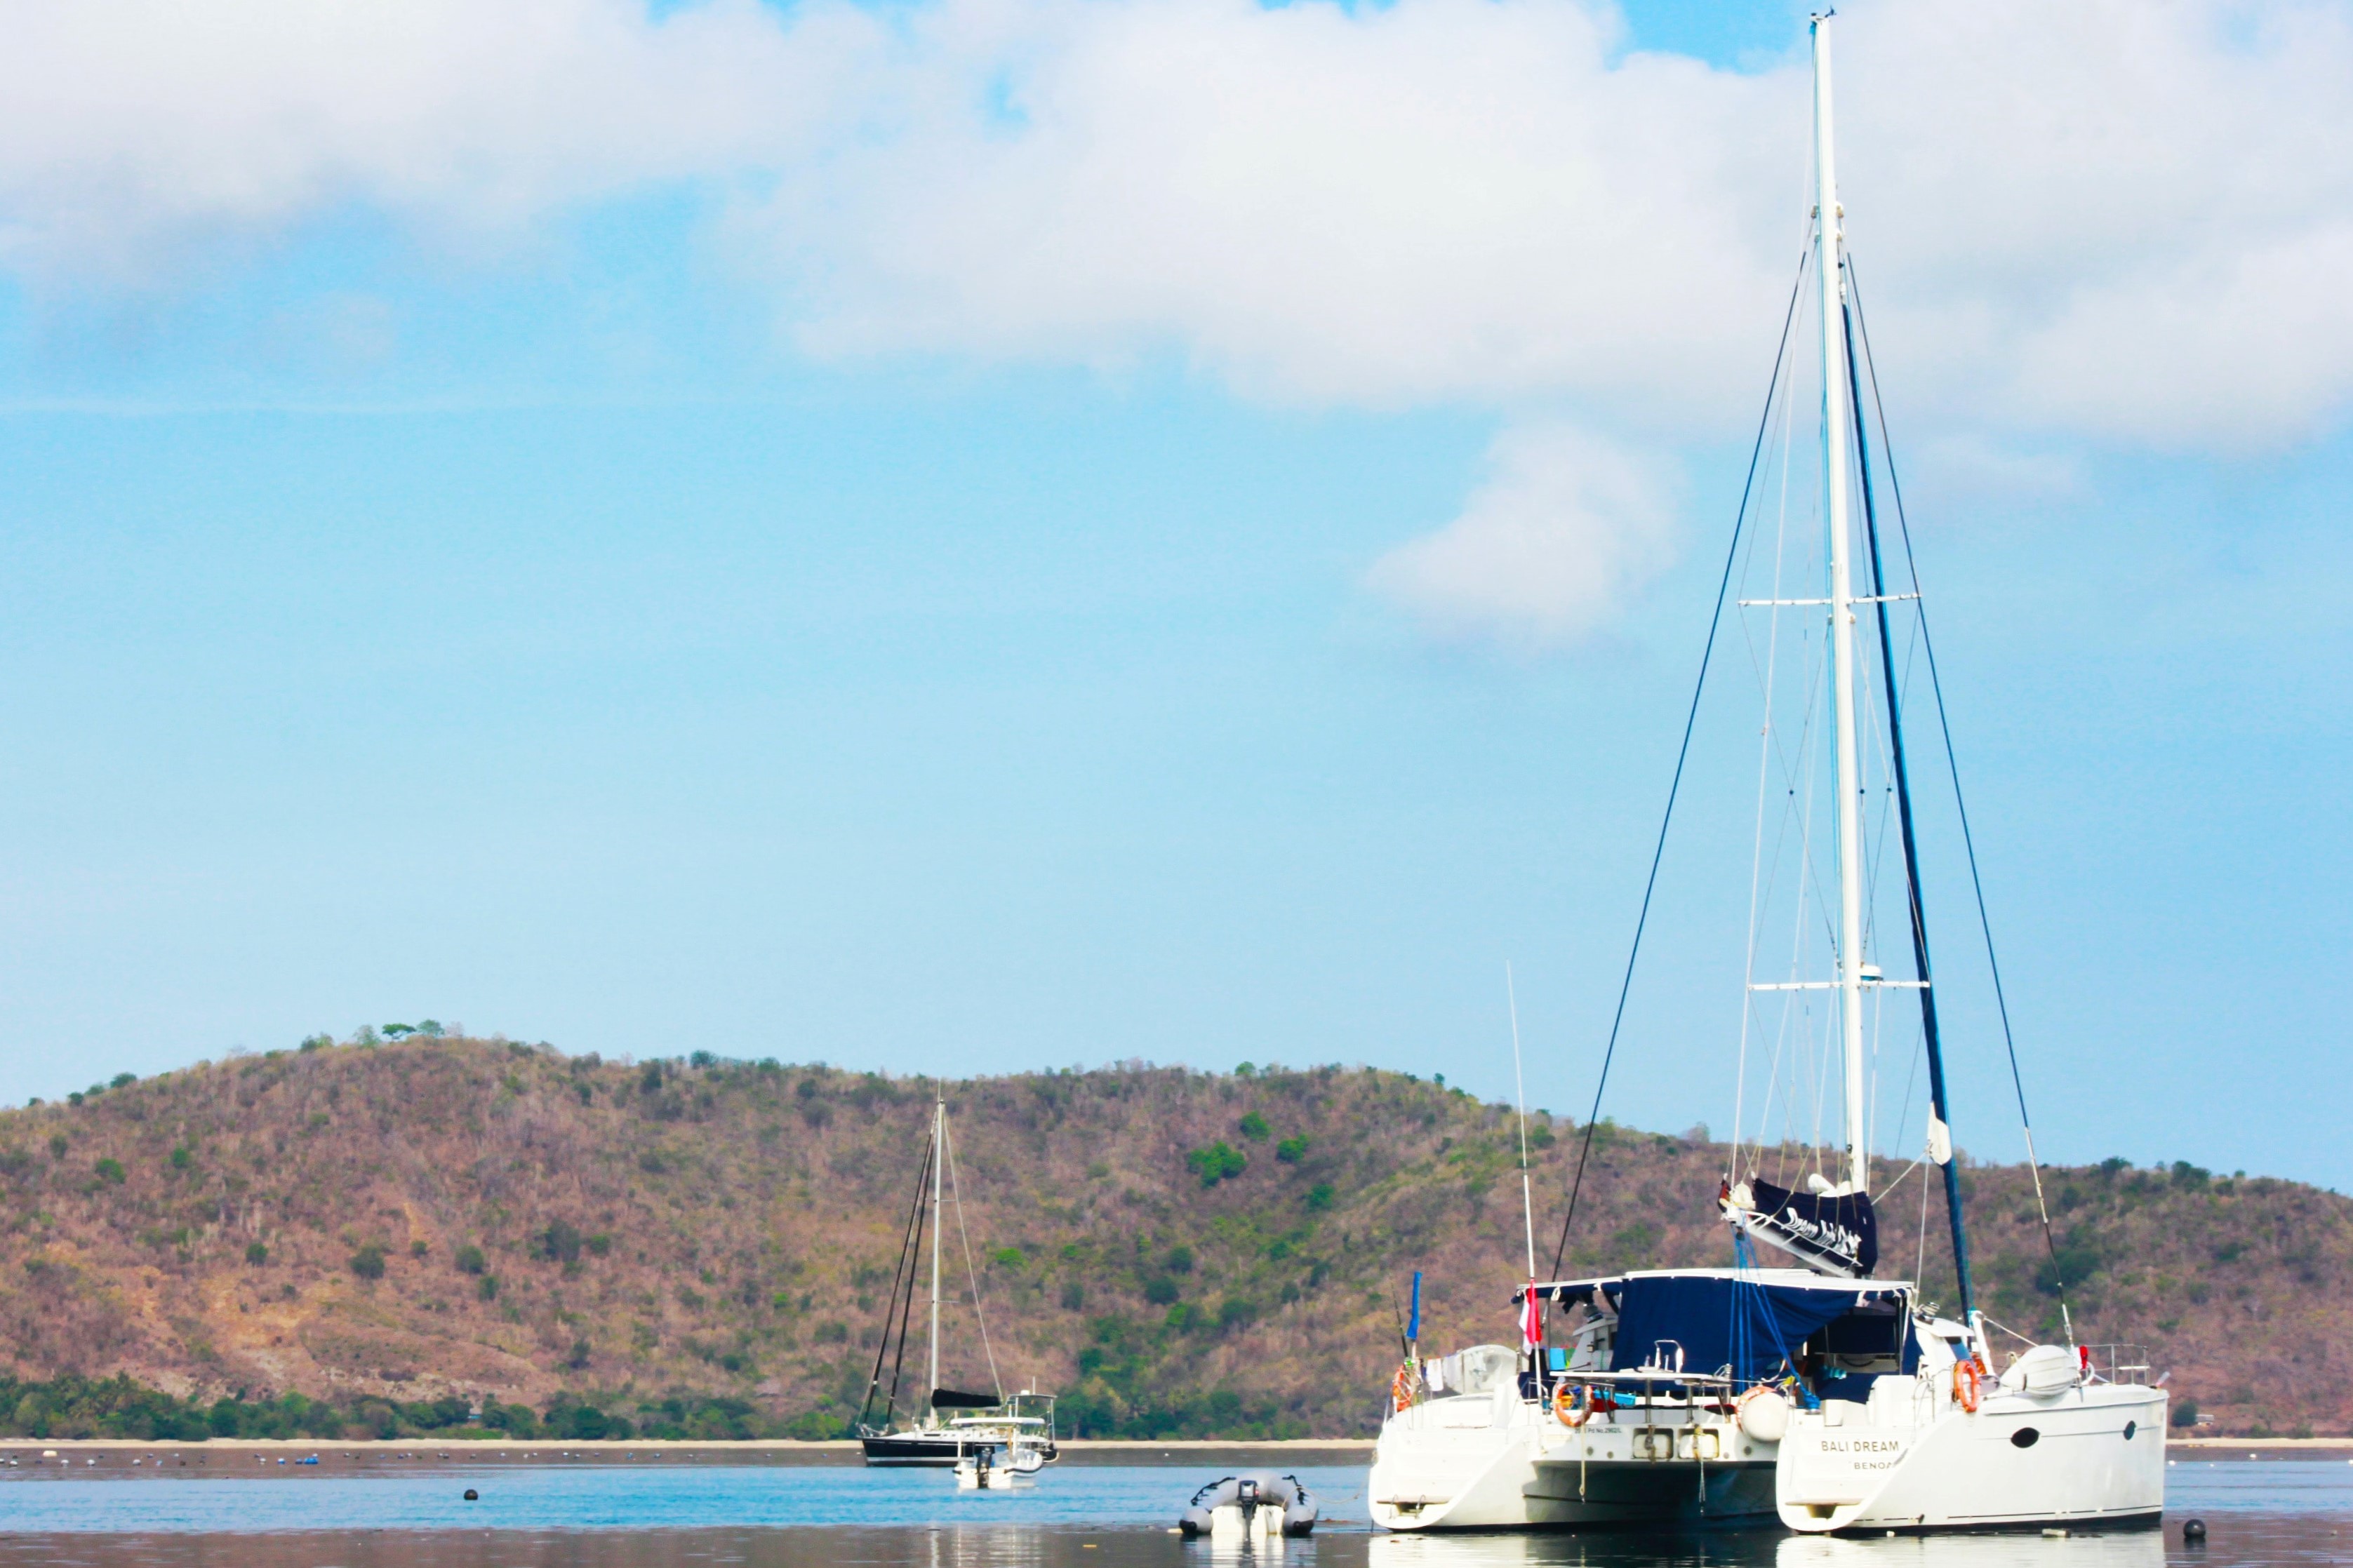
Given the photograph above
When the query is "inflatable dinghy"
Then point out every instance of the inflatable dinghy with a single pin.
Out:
(1262, 1503)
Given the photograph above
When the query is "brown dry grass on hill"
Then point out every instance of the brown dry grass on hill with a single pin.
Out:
(625, 1232)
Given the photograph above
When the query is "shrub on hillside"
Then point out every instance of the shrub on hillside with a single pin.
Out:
(1217, 1162)
(559, 1243)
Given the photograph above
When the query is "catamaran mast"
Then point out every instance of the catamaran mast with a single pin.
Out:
(1831, 280)
(939, 1147)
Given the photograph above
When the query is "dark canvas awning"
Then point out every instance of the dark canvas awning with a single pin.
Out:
(1724, 1320)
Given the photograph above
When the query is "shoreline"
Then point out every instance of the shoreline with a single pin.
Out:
(1072, 1447)
(2340, 1444)
(454, 1448)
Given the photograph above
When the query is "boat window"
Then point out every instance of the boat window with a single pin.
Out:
(1481, 1368)
(1867, 1342)
(2025, 1438)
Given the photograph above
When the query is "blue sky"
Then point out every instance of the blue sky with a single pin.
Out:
(903, 545)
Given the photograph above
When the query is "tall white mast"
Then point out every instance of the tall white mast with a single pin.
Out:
(939, 1159)
(1827, 272)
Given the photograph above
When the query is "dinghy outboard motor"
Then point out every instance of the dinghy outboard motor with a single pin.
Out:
(1260, 1503)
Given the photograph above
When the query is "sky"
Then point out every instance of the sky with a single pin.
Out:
(976, 535)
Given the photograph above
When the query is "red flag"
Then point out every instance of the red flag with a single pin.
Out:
(1531, 1320)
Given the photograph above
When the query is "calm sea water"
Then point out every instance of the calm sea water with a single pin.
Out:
(225, 1509)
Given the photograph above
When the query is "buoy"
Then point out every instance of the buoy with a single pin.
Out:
(473, 1496)
(2194, 1530)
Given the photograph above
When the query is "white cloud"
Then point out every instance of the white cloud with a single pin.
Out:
(2116, 216)
(1967, 465)
(1562, 529)
(1443, 199)
(2114, 221)
(134, 133)
(2249, 347)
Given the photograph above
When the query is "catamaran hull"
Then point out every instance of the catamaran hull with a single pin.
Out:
(2091, 1456)
(1521, 1470)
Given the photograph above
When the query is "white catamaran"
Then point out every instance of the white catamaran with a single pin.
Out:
(1817, 1395)
(1930, 1439)
(949, 1427)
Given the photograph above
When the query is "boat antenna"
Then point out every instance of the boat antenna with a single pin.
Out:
(1683, 755)
(1520, 1089)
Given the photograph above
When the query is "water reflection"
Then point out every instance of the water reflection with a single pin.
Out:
(2250, 1543)
(2270, 1515)
(1598, 1549)
(2141, 1546)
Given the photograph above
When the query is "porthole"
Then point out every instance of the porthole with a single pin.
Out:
(2025, 1438)
(2131, 1427)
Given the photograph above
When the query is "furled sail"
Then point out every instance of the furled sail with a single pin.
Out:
(1829, 1233)
(956, 1399)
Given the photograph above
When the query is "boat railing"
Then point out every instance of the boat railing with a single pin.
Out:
(1651, 1376)
(2117, 1363)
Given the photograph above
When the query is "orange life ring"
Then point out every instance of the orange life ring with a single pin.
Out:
(1968, 1388)
(1402, 1388)
(1571, 1411)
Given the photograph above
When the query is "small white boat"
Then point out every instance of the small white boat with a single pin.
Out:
(1260, 1505)
(980, 1470)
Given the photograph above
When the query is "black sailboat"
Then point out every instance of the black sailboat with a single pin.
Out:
(943, 1425)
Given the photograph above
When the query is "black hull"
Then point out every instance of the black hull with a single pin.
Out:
(940, 1450)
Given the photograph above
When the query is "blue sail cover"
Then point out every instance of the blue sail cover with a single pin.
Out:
(1722, 1321)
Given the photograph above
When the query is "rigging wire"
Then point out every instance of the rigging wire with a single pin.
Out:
(947, 1147)
(1682, 754)
(1968, 841)
(1765, 748)
(906, 1246)
(910, 1253)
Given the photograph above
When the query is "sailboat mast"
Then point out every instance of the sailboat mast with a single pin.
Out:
(939, 1159)
(1829, 277)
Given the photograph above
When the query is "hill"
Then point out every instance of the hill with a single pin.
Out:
(458, 1234)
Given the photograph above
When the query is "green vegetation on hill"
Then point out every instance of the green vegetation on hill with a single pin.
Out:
(120, 1407)
(469, 1237)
